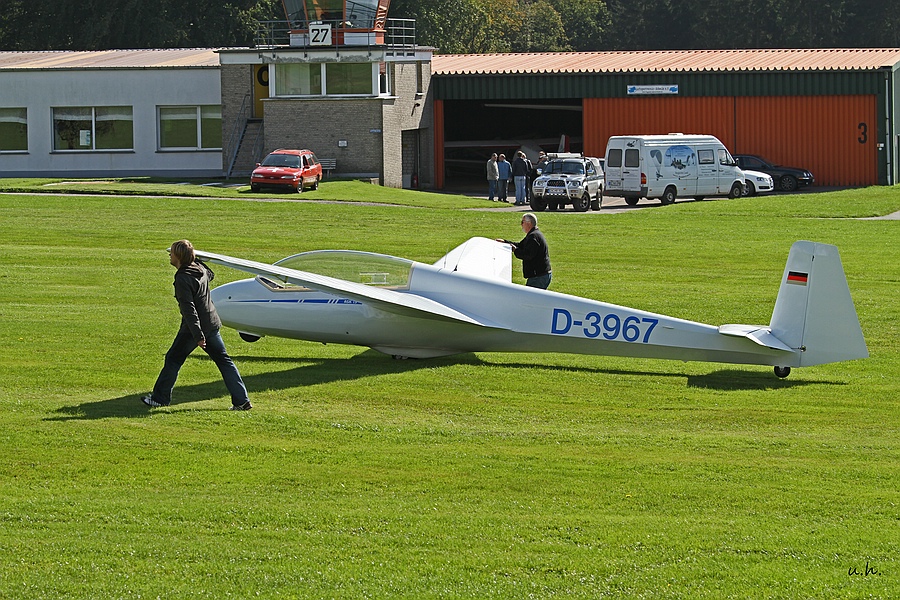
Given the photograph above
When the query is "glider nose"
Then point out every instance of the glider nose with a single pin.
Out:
(226, 299)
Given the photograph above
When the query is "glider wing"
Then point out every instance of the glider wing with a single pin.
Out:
(387, 300)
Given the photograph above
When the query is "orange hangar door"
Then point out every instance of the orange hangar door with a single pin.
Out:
(648, 115)
(835, 137)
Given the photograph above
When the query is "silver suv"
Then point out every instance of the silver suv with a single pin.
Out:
(568, 178)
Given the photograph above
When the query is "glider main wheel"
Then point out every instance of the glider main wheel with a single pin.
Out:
(583, 203)
(737, 190)
(631, 201)
(782, 372)
(248, 337)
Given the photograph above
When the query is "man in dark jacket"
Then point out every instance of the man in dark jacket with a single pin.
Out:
(534, 252)
(521, 167)
(200, 326)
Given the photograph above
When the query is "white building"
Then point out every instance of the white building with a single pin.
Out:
(110, 113)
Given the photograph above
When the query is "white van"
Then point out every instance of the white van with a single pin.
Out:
(670, 166)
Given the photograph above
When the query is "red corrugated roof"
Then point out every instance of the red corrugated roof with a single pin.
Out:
(840, 59)
(487, 64)
(111, 59)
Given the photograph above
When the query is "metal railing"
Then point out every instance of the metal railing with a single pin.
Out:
(237, 132)
(397, 33)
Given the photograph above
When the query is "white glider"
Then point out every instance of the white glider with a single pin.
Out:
(466, 302)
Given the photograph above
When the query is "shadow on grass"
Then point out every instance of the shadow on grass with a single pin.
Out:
(735, 379)
(370, 364)
(314, 371)
(725, 380)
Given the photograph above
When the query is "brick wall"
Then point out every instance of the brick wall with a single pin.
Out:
(320, 124)
(373, 128)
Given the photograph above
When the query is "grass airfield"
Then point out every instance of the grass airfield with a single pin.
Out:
(476, 476)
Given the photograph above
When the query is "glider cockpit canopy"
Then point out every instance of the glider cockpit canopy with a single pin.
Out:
(368, 268)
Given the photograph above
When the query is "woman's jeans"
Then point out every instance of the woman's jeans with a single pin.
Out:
(181, 348)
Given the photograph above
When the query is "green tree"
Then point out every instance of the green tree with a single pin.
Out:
(538, 28)
(586, 23)
(460, 26)
(109, 24)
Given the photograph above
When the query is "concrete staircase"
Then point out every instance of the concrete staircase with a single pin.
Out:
(249, 149)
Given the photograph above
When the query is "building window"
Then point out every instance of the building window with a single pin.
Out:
(385, 78)
(332, 79)
(348, 79)
(13, 129)
(294, 79)
(420, 78)
(190, 127)
(93, 128)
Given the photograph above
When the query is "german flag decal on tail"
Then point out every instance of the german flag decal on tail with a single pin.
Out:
(797, 278)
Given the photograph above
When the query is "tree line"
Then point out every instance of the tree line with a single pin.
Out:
(471, 26)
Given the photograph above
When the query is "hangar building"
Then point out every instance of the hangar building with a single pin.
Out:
(832, 111)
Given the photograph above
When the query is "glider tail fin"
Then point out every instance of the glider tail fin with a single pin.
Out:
(814, 311)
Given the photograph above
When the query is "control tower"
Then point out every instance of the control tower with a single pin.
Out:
(337, 77)
(340, 22)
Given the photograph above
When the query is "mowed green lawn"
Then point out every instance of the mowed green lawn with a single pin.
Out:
(474, 476)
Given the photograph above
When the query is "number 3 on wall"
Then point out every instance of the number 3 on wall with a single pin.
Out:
(863, 133)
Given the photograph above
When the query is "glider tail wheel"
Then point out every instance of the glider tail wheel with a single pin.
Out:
(782, 372)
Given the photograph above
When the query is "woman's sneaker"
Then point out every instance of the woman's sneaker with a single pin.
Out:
(149, 401)
(245, 406)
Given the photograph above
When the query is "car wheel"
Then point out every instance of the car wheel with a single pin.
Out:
(315, 184)
(596, 202)
(254, 187)
(749, 189)
(300, 187)
(537, 203)
(631, 201)
(668, 196)
(788, 183)
(583, 203)
(737, 190)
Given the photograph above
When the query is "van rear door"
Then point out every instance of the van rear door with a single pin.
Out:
(631, 170)
(613, 168)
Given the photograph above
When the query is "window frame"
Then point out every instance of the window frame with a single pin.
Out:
(93, 130)
(24, 110)
(198, 122)
(374, 88)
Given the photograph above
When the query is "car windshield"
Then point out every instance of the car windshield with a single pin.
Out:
(282, 160)
(564, 167)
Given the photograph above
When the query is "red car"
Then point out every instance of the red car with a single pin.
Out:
(295, 169)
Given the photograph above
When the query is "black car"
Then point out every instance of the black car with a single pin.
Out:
(787, 179)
